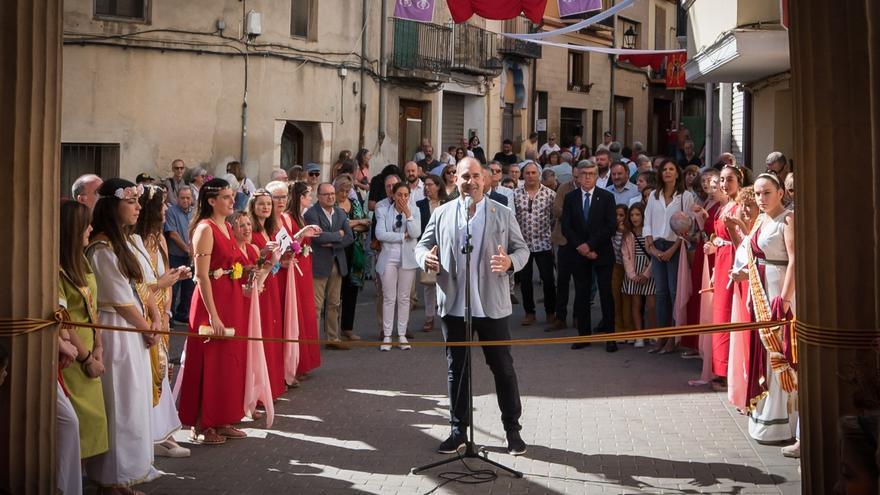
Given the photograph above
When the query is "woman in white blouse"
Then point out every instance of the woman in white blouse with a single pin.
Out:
(663, 244)
(398, 227)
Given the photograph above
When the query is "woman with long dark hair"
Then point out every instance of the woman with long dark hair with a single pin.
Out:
(152, 252)
(300, 201)
(126, 358)
(212, 391)
(435, 195)
(77, 292)
(362, 174)
(265, 226)
(663, 244)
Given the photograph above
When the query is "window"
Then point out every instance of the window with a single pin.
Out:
(87, 158)
(133, 10)
(303, 19)
(579, 72)
(660, 28)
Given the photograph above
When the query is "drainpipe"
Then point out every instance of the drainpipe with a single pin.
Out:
(244, 112)
(361, 139)
(383, 61)
(611, 116)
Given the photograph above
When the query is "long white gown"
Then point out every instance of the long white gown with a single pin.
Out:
(775, 417)
(164, 415)
(128, 396)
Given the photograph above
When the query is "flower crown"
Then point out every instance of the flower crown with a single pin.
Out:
(132, 192)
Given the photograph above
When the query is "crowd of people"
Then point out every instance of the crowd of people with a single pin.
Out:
(661, 241)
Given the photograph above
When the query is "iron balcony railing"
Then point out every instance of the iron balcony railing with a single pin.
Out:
(421, 50)
(518, 48)
(474, 50)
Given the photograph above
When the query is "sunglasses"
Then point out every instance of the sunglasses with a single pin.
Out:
(496, 170)
(399, 222)
(178, 168)
(314, 174)
(450, 172)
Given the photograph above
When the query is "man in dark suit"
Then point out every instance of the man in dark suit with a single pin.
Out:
(328, 257)
(588, 223)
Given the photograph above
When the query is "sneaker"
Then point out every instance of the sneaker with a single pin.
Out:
(386, 344)
(793, 450)
(515, 444)
(170, 448)
(452, 444)
(639, 343)
(404, 344)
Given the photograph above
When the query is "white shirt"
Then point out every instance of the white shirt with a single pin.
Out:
(547, 148)
(477, 226)
(592, 193)
(658, 214)
(602, 182)
(417, 193)
(328, 214)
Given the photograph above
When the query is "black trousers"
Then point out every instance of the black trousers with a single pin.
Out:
(348, 297)
(583, 282)
(498, 358)
(564, 271)
(544, 260)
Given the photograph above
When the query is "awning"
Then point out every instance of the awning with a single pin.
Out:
(742, 55)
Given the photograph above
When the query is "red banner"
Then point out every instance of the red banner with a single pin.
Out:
(675, 78)
(462, 10)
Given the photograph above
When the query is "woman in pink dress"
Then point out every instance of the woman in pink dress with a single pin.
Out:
(212, 390)
(265, 226)
(723, 246)
(310, 354)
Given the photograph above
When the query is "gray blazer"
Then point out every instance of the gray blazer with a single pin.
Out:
(323, 256)
(494, 288)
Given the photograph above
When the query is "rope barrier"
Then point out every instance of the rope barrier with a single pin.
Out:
(12, 327)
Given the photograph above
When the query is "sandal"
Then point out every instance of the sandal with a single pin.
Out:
(210, 436)
(428, 326)
(230, 432)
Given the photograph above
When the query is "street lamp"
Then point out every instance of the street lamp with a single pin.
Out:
(629, 38)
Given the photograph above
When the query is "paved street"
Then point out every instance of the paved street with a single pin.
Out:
(594, 422)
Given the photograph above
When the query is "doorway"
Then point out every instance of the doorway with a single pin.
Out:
(413, 124)
(661, 122)
(571, 124)
(622, 120)
(292, 142)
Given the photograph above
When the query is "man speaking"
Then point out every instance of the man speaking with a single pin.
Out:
(498, 248)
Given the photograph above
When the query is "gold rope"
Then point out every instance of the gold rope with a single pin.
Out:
(11, 327)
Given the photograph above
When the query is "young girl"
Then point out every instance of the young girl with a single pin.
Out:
(622, 302)
(639, 283)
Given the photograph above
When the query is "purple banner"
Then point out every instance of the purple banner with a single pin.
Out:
(572, 7)
(414, 10)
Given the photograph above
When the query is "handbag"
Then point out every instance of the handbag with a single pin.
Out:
(427, 278)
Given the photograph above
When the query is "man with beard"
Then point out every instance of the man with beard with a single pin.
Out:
(603, 161)
(416, 186)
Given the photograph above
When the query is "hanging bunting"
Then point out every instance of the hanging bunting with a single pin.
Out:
(414, 10)
(462, 10)
(570, 29)
(655, 61)
(675, 77)
(574, 7)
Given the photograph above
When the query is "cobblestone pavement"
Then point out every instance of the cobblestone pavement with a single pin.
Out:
(595, 422)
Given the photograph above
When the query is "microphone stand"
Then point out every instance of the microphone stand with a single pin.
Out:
(471, 450)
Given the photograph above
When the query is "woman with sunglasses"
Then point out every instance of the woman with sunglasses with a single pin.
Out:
(398, 227)
(449, 181)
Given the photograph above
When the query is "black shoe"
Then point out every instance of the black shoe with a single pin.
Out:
(515, 444)
(452, 444)
(611, 347)
(580, 345)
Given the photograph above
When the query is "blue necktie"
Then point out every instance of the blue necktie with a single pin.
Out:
(586, 207)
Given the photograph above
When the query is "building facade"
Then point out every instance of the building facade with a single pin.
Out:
(277, 83)
(739, 51)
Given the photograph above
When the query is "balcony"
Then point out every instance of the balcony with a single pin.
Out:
(518, 48)
(420, 50)
(474, 50)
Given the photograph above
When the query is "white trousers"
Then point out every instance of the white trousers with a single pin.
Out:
(69, 468)
(396, 287)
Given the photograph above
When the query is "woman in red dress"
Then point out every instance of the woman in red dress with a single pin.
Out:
(727, 238)
(705, 215)
(265, 226)
(212, 392)
(309, 354)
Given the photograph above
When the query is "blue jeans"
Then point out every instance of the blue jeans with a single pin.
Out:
(665, 275)
(182, 290)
